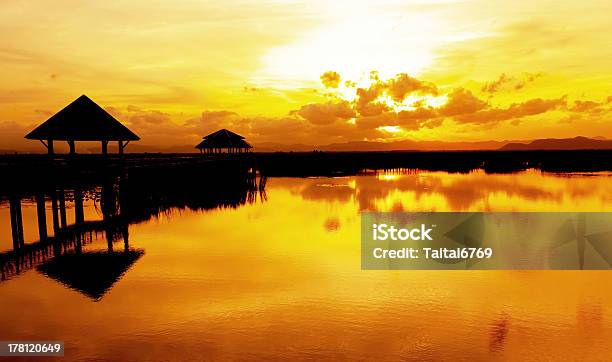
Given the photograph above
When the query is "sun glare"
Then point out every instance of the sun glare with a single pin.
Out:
(354, 40)
(390, 129)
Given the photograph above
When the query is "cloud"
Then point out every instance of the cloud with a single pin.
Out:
(462, 101)
(423, 117)
(386, 103)
(492, 87)
(137, 117)
(153, 126)
(403, 85)
(514, 111)
(322, 114)
(318, 123)
(43, 112)
(357, 110)
(12, 137)
(330, 79)
(367, 104)
(584, 106)
(368, 99)
(505, 82)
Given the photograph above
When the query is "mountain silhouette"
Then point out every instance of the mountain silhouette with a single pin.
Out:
(576, 143)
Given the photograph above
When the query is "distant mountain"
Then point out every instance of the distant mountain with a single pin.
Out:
(408, 145)
(281, 147)
(576, 143)
(368, 146)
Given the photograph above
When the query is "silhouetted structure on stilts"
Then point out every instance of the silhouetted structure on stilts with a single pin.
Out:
(124, 196)
(83, 120)
(224, 141)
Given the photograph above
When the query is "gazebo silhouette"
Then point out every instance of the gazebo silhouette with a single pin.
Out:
(82, 120)
(223, 141)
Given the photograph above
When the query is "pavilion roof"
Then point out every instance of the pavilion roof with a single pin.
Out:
(82, 120)
(223, 139)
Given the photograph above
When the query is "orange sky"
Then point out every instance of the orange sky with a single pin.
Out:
(312, 72)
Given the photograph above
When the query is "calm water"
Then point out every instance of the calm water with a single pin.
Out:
(281, 278)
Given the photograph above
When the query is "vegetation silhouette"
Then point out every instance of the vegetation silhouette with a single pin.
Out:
(351, 163)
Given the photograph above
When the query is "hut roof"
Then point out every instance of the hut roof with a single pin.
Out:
(91, 273)
(82, 120)
(223, 134)
(223, 139)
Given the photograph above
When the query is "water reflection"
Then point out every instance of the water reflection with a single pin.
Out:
(414, 190)
(91, 273)
(281, 279)
(114, 205)
(498, 332)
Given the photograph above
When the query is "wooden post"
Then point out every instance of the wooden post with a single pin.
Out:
(62, 208)
(109, 238)
(42, 217)
(80, 237)
(79, 215)
(72, 147)
(55, 217)
(120, 143)
(126, 236)
(50, 146)
(105, 147)
(16, 222)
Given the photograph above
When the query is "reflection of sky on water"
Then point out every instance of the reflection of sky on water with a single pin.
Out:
(282, 278)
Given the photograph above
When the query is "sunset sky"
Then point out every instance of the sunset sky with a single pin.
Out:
(312, 72)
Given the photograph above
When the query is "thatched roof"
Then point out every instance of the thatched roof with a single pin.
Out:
(82, 120)
(224, 139)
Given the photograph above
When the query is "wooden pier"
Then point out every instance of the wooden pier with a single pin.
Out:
(127, 189)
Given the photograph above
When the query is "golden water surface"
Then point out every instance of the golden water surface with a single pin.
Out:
(281, 278)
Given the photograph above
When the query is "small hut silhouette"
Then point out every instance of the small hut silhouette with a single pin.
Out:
(82, 120)
(223, 141)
